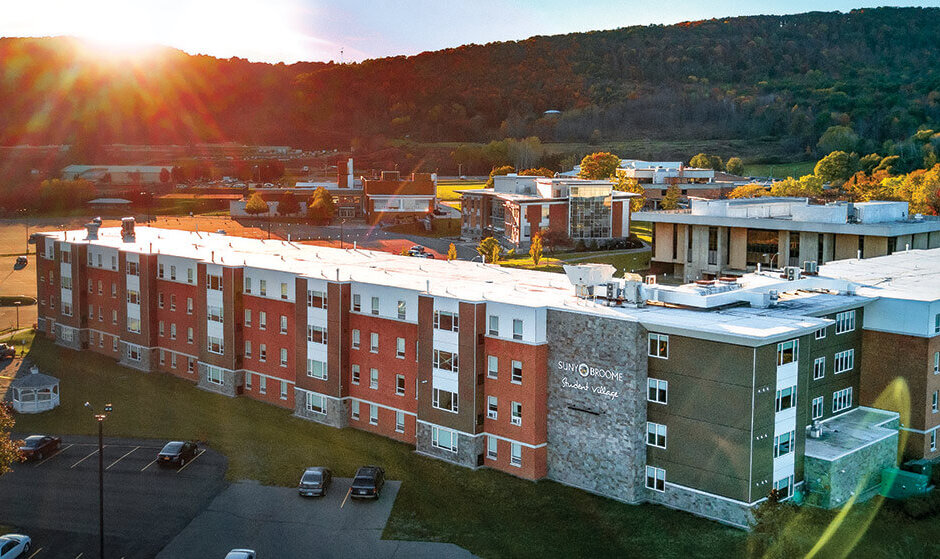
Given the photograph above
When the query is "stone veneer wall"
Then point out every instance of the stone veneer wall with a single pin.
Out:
(78, 336)
(717, 508)
(337, 414)
(231, 380)
(831, 484)
(596, 440)
(147, 361)
(468, 448)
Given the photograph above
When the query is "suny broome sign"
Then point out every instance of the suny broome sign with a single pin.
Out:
(587, 372)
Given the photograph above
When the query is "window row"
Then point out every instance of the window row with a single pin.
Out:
(492, 410)
(215, 313)
(161, 273)
(492, 451)
(263, 385)
(190, 335)
(492, 369)
(262, 287)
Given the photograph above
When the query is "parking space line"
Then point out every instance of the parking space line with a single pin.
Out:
(191, 461)
(35, 553)
(47, 458)
(148, 465)
(346, 497)
(85, 458)
(121, 458)
(79, 556)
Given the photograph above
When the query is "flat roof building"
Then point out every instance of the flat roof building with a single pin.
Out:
(699, 397)
(721, 237)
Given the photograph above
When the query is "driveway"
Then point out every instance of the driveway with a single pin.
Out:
(277, 522)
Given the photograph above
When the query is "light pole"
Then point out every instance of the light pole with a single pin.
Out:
(100, 417)
(16, 304)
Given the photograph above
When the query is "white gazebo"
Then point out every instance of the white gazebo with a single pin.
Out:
(35, 392)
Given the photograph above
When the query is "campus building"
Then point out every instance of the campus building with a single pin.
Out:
(117, 175)
(519, 206)
(701, 397)
(730, 237)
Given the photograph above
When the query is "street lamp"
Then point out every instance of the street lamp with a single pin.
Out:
(100, 417)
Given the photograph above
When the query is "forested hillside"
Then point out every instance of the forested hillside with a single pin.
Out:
(875, 71)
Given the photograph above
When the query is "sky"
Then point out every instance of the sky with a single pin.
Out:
(354, 30)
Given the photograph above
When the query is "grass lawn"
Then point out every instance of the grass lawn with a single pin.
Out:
(447, 189)
(780, 170)
(629, 262)
(642, 229)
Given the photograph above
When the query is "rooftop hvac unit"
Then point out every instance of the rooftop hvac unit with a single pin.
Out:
(810, 267)
(816, 430)
(651, 279)
(774, 295)
(127, 229)
(793, 273)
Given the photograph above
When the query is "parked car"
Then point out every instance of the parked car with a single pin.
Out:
(424, 255)
(36, 447)
(14, 545)
(315, 482)
(21, 262)
(176, 453)
(7, 351)
(368, 482)
(416, 249)
(241, 554)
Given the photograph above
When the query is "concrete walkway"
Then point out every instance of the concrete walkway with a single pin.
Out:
(277, 522)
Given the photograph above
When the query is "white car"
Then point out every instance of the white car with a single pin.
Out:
(236, 554)
(15, 545)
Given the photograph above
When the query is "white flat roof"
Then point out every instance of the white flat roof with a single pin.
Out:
(473, 281)
(912, 274)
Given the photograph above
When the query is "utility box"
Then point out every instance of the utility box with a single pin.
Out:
(901, 484)
(923, 467)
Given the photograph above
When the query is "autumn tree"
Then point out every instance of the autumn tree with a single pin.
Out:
(626, 184)
(535, 250)
(752, 190)
(554, 238)
(837, 167)
(9, 447)
(706, 161)
(164, 175)
(599, 165)
(256, 205)
(735, 166)
(288, 204)
(537, 172)
(807, 185)
(452, 252)
(498, 171)
(671, 200)
(321, 207)
(490, 249)
(838, 138)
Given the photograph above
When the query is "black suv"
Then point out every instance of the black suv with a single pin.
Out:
(176, 453)
(368, 482)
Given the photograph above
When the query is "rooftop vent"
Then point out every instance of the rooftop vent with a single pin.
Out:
(92, 229)
(585, 276)
(127, 229)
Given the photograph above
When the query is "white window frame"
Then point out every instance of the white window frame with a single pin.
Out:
(515, 410)
(782, 394)
(492, 407)
(842, 400)
(819, 368)
(354, 410)
(656, 434)
(373, 414)
(492, 447)
(436, 400)
(400, 348)
(436, 438)
(315, 403)
(399, 385)
(355, 338)
(794, 345)
(820, 334)
(784, 444)
(516, 372)
(818, 408)
(214, 375)
(844, 361)
(656, 345)
(517, 333)
(373, 342)
(845, 322)
(656, 389)
(492, 366)
(515, 455)
(374, 378)
(316, 369)
(399, 421)
(658, 477)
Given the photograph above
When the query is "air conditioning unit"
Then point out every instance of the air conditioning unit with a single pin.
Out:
(810, 267)
(774, 295)
(793, 273)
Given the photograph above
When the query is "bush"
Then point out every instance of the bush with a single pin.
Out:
(922, 506)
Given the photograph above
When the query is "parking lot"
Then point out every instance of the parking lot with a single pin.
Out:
(55, 500)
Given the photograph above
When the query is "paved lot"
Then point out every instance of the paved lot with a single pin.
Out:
(277, 522)
(55, 501)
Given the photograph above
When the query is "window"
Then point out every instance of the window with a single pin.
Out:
(784, 444)
(189, 305)
(316, 369)
(841, 399)
(262, 320)
(100, 286)
(844, 361)
(516, 329)
(316, 403)
(248, 318)
(444, 400)
(399, 421)
(655, 478)
(172, 272)
(787, 352)
(172, 302)
(133, 297)
(492, 407)
(262, 384)
(400, 385)
(936, 324)
(213, 282)
(374, 379)
(248, 349)
(933, 406)
(214, 313)
(445, 360)
(936, 362)
(357, 302)
(375, 306)
(845, 322)
(655, 434)
(784, 487)
(820, 334)
(247, 284)
(516, 376)
(354, 411)
(283, 324)
(657, 391)
(933, 440)
(786, 398)
(659, 346)
(114, 262)
(113, 288)
(283, 357)
(494, 325)
(262, 353)
(492, 444)
(263, 287)
(400, 348)
(113, 317)
(214, 375)
(402, 310)
(283, 290)
(355, 338)
(189, 275)
(132, 267)
(515, 454)
(516, 417)
(162, 357)
(819, 368)
(133, 324)
(443, 438)
(66, 282)
(114, 343)
(160, 271)
(446, 321)
(173, 331)
(91, 286)
(374, 342)
(492, 366)
(172, 360)
(373, 414)
(283, 390)
(215, 345)
(316, 334)
(817, 407)
(316, 299)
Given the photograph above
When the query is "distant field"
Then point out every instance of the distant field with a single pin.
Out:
(447, 189)
(780, 170)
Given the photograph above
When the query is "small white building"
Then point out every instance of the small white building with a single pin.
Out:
(35, 392)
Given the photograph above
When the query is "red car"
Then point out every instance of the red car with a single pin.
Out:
(36, 447)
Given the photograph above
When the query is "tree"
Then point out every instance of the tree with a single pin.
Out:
(288, 204)
(537, 172)
(752, 190)
(671, 200)
(599, 165)
(705, 161)
(535, 250)
(321, 207)
(497, 171)
(838, 138)
(807, 185)
(256, 205)
(178, 174)
(554, 238)
(164, 175)
(624, 184)
(837, 167)
(9, 448)
(490, 249)
(869, 163)
(735, 166)
(451, 252)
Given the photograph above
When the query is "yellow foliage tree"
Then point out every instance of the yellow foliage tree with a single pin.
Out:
(752, 190)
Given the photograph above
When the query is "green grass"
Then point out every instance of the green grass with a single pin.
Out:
(447, 189)
(780, 170)
(642, 229)
(629, 262)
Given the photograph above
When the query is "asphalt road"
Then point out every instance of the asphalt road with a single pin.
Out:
(55, 501)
